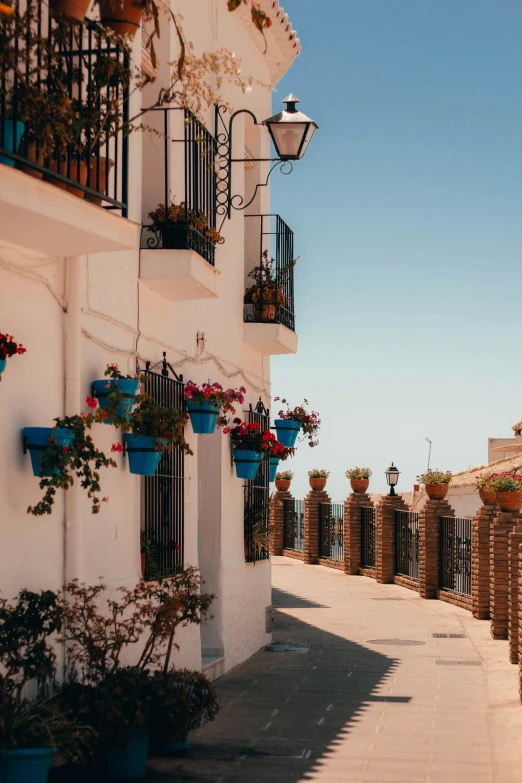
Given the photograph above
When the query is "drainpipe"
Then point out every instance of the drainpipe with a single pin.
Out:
(73, 336)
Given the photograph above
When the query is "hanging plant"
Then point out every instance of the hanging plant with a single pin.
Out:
(293, 420)
(249, 445)
(116, 392)
(209, 404)
(8, 348)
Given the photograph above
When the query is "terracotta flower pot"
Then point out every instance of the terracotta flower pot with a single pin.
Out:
(359, 484)
(31, 155)
(48, 177)
(121, 16)
(416, 487)
(74, 9)
(437, 491)
(78, 173)
(510, 501)
(282, 485)
(317, 483)
(92, 178)
(488, 496)
(266, 313)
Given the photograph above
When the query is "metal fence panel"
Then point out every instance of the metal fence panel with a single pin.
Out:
(368, 536)
(331, 531)
(407, 543)
(294, 524)
(455, 554)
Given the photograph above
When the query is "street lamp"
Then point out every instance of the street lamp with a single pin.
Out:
(392, 477)
(291, 130)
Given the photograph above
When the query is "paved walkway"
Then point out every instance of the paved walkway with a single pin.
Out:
(361, 704)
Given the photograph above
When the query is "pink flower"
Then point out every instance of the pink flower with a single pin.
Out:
(242, 390)
(276, 399)
(105, 499)
(240, 399)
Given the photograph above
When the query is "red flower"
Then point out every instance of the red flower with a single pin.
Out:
(91, 402)
(276, 399)
(177, 547)
(105, 499)
(105, 415)
(117, 447)
(226, 430)
(254, 425)
(66, 449)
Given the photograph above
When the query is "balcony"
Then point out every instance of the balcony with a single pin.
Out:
(64, 90)
(268, 310)
(179, 238)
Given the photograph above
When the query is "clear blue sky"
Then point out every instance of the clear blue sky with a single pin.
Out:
(407, 210)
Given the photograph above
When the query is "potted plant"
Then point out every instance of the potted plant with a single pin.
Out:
(437, 483)
(508, 487)
(317, 478)
(124, 16)
(8, 348)
(267, 293)
(487, 492)
(249, 446)
(209, 404)
(277, 456)
(174, 224)
(283, 479)
(73, 9)
(116, 393)
(291, 421)
(359, 478)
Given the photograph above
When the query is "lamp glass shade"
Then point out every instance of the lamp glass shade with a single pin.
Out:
(290, 138)
(392, 475)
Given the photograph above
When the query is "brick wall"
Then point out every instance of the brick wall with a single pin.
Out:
(515, 539)
(352, 530)
(501, 527)
(429, 545)
(311, 524)
(480, 561)
(277, 520)
(385, 536)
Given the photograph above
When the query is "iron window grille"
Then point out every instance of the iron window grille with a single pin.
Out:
(294, 524)
(331, 531)
(163, 495)
(63, 60)
(407, 543)
(189, 168)
(257, 492)
(368, 536)
(455, 554)
(269, 298)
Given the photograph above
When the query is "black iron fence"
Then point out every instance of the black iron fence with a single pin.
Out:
(269, 294)
(368, 536)
(407, 543)
(256, 509)
(162, 526)
(189, 171)
(331, 531)
(294, 524)
(455, 554)
(64, 92)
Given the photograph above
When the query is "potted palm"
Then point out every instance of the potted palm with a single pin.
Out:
(209, 404)
(283, 479)
(8, 348)
(508, 487)
(359, 478)
(293, 420)
(317, 478)
(437, 483)
(175, 223)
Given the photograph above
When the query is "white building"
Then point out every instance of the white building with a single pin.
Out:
(80, 289)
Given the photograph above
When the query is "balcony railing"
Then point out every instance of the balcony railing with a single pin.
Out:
(64, 90)
(269, 292)
(188, 166)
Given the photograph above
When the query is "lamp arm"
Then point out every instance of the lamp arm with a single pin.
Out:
(230, 160)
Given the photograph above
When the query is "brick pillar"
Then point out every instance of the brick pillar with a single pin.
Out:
(385, 536)
(515, 539)
(520, 619)
(480, 561)
(429, 545)
(311, 524)
(352, 530)
(277, 521)
(501, 527)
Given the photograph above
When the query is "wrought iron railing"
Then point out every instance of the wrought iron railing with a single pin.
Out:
(294, 525)
(331, 531)
(189, 176)
(269, 294)
(407, 543)
(64, 104)
(368, 536)
(162, 523)
(257, 491)
(455, 554)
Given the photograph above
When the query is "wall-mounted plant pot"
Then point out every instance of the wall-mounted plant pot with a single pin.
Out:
(143, 457)
(203, 417)
(8, 139)
(73, 9)
(359, 484)
(26, 765)
(274, 463)
(121, 16)
(127, 386)
(92, 178)
(130, 763)
(437, 491)
(488, 496)
(282, 485)
(317, 483)
(247, 463)
(510, 501)
(3, 364)
(174, 236)
(36, 441)
(287, 431)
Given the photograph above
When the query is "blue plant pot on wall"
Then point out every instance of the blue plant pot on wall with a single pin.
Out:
(26, 765)
(36, 441)
(247, 463)
(203, 417)
(8, 140)
(274, 462)
(130, 763)
(287, 432)
(127, 386)
(3, 363)
(143, 457)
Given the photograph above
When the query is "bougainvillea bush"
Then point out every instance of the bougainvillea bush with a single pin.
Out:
(214, 394)
(249, 437)
(309, 420)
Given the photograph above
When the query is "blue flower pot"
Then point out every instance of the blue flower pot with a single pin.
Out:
(173, 748)
(130, 763)
(2, 365)
(143, 457)
(127, 386)
(36, 441)
(26, 765)
(203, 417)
(8, 140)
(247, 463)
(287, 432)
(274, 462)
